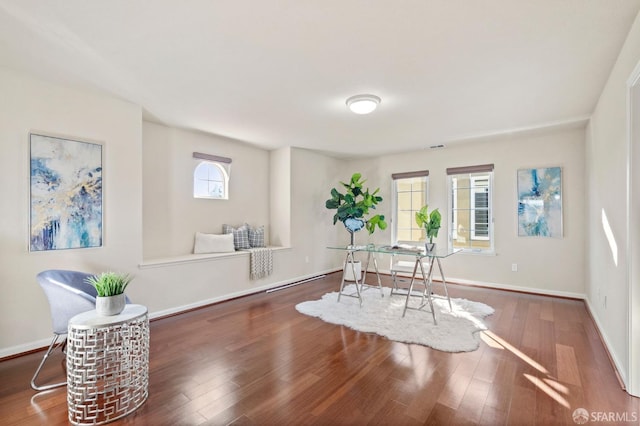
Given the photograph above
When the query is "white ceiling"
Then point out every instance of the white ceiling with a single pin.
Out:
(275, 72)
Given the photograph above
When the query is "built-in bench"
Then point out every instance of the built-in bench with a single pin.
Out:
(192, 258)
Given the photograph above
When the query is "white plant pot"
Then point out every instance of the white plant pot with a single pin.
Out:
(110, 305)
(349, 271)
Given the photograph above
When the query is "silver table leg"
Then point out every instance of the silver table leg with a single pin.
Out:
(361, 284)
(350, 259)
(444, 283)
(426, 294)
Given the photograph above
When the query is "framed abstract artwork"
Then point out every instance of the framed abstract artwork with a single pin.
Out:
(65, 194)
(540, 202)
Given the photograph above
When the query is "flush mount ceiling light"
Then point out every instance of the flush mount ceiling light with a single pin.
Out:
(363, 104)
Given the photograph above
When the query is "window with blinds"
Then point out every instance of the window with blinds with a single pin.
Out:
(471, 218)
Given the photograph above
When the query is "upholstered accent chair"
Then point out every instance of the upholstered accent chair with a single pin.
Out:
(68, 294)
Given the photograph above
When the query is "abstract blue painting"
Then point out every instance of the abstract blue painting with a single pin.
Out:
(540, 202)
(66, 194)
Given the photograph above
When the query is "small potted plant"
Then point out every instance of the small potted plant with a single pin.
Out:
(110, 287)
(431, 224)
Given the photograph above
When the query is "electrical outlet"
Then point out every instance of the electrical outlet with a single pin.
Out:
(306, 259)
(514, 267)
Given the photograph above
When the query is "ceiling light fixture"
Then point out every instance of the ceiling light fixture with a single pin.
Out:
(363, 104)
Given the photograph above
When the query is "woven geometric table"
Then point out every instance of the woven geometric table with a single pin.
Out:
(107, 365)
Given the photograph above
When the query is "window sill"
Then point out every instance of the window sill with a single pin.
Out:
(194, 258)
(478, 252)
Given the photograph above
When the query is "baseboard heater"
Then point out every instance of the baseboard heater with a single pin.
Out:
(271, 290)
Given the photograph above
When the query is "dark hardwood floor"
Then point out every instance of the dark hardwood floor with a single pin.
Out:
(257, 361)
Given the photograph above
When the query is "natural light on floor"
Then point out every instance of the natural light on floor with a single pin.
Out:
(513, 349)
(548, 390)
(548, 385)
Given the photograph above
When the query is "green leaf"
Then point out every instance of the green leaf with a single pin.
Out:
(332, 204)
(109, 283)
(356, 203)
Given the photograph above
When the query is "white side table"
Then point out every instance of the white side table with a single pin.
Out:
(107, 365)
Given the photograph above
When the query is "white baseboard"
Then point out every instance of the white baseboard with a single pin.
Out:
(228, 296)
(26, 347)
(498, 286)
(532, 290)
(622, 372)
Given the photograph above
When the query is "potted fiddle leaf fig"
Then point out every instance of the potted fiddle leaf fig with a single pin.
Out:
(110, 287)
(352, 207)
(431, 224)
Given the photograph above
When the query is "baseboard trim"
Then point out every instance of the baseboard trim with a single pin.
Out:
(231, 296)
(505, 287)
(25, 349)
(615, 362)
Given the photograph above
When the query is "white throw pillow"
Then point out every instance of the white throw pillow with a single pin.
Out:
(213, 243)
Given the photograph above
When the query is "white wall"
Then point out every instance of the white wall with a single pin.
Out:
(32, 105)
(301, 174)
(171, 215)
(607, 288)
(312, 177)
(280, 208)
(546, 265)
(151, 165)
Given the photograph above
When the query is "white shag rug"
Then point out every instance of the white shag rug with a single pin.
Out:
(456, 330)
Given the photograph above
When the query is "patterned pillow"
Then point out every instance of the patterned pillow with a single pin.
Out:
(240, 235)
(256, 236)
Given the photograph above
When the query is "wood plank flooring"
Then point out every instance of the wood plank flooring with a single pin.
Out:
(257, 361)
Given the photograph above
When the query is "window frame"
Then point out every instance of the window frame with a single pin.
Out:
(225, 180)
(473, 174)
(396, 178)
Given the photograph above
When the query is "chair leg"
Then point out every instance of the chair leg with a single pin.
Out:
(44, 359)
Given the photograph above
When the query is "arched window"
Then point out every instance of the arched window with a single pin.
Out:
(210, 180)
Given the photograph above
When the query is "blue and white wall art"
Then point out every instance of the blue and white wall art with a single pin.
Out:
(540, 202)
(66, 194)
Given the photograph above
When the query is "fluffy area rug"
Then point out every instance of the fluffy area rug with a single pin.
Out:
(457, 330)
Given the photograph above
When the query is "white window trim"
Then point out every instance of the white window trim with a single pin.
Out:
(450, 221)
(394, 211)
(454, 206)
(225, 174)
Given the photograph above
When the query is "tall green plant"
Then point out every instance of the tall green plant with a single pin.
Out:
(355, 203)
(109, 283)
(429, 221)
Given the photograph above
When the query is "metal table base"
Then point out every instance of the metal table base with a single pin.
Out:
(107, 365)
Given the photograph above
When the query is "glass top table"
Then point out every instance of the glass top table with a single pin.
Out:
(421, 258)
(398, 250)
